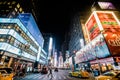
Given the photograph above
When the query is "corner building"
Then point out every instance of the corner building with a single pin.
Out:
(102, 34)
(18, 46)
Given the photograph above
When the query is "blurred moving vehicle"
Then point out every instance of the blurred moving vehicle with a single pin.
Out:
(56, 70)
(79, 73)
(111, 75)
(44, 70)
(6, 74)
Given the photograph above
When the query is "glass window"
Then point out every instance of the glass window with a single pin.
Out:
(3, 46)
(13, 2)
(10, 6)
(4, 31)
(18, 5)
(20, 9)
(16, 9)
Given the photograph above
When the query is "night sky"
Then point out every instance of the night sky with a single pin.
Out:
(54, 15)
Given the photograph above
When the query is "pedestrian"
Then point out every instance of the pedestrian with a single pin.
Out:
(50, 69)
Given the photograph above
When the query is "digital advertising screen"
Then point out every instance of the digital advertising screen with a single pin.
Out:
(108, 20)
(92, 27)
(113, 42)
(80, 56)
(89, 53)
(111, 26)
(99, 47)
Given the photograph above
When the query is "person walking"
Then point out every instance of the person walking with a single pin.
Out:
(50, 69)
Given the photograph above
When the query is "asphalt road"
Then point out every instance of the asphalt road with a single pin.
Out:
(60, 75)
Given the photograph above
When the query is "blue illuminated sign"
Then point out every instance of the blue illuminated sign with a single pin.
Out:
(29, 22)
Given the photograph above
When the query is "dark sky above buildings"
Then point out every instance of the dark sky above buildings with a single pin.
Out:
(54, 16)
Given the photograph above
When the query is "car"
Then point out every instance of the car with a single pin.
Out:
(79, 73)
(111, 75)
(44, 70)
(56, 70)
(6, 74)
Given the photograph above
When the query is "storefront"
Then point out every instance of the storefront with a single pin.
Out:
(105, 64)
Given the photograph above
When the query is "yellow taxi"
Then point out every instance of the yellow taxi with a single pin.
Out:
(6, 74)
(79, 73)
(111, 75)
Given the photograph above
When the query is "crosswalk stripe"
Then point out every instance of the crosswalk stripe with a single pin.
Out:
(68, 77)
(64, 77)
(59, 77)
(34, 76)
(41, 77)
(55, 77)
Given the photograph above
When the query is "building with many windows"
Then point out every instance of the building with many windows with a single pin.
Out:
(18, 44)
(76, 36)
(11, 8)
(101, 32)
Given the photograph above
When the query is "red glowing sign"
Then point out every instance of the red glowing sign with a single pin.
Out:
(107, 20)
(92, 27)
(111, 27)
(113, 41)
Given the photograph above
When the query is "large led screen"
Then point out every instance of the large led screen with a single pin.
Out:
(99, 47)
(89, 52)
(108, 20)
(80, 57)
(113, 41)
(92, 27)
(111, 26)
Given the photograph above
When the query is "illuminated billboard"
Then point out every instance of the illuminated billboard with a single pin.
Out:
(100, 49)
(99, 21)
(111, 27)
(92, 27)
(85, 33)
(97, 48)
(106, 5)
(113, 41)
(108, 20)
(80, 57)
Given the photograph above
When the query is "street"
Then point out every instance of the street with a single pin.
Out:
(60, 75)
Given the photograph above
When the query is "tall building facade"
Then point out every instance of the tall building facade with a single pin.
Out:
(20, 9)
(11, 8)
(76, 35)
(101, 33)
(17, 42)
(47, 37)
(64, 46)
